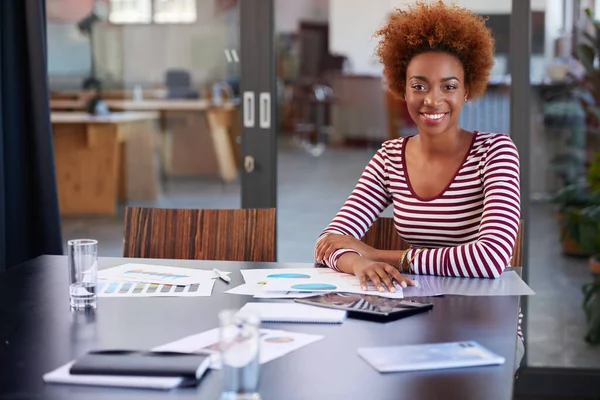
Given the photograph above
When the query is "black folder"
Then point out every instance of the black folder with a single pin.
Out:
(142, 363)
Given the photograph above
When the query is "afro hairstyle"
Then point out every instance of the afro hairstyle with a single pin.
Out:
(439, 27)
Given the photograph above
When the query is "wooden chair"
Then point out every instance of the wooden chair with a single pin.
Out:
(383, 236)
(231, 235)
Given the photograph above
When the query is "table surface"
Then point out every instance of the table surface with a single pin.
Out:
(147, 105)
(39, 333)
(112, 118)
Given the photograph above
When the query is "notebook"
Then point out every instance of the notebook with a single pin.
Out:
(294, 312)
(429, 356)
(141, 363)
(63, 376)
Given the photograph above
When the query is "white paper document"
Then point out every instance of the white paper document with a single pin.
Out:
(508, 284)
(316, 280)
(305, 282)
(273, 344)
(159, 274)
(256, 290)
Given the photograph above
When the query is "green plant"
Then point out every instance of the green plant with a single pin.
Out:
(587, 53)
(591, 307)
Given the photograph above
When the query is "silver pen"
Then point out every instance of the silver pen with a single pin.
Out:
(221, 275)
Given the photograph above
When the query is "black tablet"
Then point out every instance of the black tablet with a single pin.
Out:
(373, 308)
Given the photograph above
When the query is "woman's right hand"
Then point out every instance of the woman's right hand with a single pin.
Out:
(381, 274)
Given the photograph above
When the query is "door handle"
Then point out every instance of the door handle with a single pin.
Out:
(248, 107)
(249, 164)
(265, 110)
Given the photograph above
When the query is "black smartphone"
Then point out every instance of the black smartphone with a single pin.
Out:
(368, 307)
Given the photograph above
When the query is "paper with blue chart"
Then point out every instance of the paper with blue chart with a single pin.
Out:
(147, 280)
(303, 282)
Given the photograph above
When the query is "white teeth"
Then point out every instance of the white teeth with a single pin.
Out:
(433, 116)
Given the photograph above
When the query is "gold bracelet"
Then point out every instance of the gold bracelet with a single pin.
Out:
(400, 268)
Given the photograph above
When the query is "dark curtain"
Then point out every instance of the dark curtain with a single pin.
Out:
(29, 215)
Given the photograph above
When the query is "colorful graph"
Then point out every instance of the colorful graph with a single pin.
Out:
(289, 275)
(314, 286)
(279, 339)
(140, 289)
(155, 274)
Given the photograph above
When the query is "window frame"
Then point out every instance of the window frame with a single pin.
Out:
(152, 21)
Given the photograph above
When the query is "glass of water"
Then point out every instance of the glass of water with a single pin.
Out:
(239, 345)
(83, 271)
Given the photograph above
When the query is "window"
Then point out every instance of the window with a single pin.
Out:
(152, 11)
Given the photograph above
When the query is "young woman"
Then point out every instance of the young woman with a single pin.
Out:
(455, 193)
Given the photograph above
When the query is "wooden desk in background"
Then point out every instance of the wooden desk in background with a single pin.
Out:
(101, 159)
(190, 129)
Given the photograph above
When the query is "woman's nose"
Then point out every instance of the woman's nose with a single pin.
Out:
(433, 97)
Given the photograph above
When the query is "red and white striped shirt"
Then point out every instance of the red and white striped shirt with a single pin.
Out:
(468, 230)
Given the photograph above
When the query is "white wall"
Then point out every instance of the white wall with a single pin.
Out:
(289, 13)
(353, 23)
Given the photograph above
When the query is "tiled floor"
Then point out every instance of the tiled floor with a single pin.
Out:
(310, 192)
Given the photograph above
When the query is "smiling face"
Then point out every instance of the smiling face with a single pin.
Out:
(435, 91)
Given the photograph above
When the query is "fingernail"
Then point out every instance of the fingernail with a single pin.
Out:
(392, 289)
(403, 284)
(381, 289)
(363, 287)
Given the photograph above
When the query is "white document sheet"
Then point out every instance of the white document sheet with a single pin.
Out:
(160, 274)
(273, 344)
(508, 284)
(318, 280)
(255, 290)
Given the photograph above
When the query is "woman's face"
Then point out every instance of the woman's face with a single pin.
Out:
(435, 91)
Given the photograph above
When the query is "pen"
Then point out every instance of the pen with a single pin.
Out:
(221, 275)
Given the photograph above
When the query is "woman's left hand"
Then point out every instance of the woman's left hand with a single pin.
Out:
(332, 242)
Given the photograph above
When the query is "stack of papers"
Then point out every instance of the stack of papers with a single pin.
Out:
(302, 282)
(306, 282)
(146, 280)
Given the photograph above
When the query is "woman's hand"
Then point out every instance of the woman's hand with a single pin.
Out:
(381, 274)
(332, 242)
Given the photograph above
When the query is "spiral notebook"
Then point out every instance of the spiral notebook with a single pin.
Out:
(294, 312)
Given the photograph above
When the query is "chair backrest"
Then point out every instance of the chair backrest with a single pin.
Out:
(383, 236)
(231, 235)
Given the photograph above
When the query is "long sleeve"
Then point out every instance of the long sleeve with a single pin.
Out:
(367, 201)
(491, 252)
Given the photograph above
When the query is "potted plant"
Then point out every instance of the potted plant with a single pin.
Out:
(589, 239)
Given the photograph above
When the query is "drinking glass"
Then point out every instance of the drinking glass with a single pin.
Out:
(239, 344)
(83, 272)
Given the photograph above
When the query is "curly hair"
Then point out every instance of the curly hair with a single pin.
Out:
(436, 27)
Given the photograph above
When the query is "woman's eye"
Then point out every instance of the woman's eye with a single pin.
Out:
(450, 87)
(418, 87)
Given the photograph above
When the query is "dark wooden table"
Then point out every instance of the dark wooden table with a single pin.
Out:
(39, 333)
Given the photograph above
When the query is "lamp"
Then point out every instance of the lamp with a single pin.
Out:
(99, 13)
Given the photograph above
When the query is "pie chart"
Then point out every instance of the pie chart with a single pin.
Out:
(314, 286)
(289, 275)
